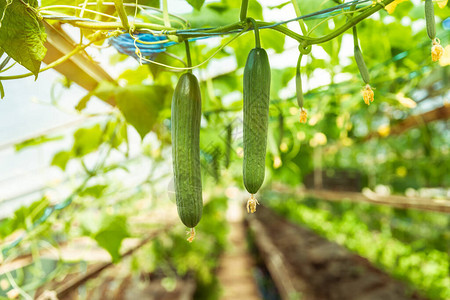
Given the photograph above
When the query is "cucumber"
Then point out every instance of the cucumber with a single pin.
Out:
(256, 117)
(228, 142)
(299, 89)
(360, 59)
(186, 115)
(429, 19)
(361, 65)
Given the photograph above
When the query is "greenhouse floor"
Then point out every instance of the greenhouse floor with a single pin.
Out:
(306, 266)
(236, 264)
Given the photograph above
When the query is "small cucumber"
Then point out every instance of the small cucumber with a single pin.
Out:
(361, 65)
(359, 58)
(429, 19)
(228, 147)
(256, 117)
(186, 115)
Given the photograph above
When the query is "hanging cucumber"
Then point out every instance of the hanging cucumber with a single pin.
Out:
(437, 51)
(228, 147)
(368, 94)
(299, 89)
(256, 118)
(186, 115)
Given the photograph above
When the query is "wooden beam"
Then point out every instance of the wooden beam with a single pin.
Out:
(418, 203)
(80, 68)
(440, 113)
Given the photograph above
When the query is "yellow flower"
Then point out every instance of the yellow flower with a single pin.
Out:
(392, 6)
(436, 50)
(251, 204)
(191, 234)
(367, 94)
(303, 115)
(442, 3)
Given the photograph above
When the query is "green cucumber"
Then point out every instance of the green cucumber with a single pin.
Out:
(429, 19)
(256, 117)
(186, 115)
(361, 65)
(360, 59)
(228, 147)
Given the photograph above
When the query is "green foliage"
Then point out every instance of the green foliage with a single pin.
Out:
(140, 105)
(95, 191)
(398, 63)
(109, 233)
(87, 140)
(410, 245)
(36, 141)
(60, 159)
(200, 258)
(24, 217)
(22, 33)
(197, 4)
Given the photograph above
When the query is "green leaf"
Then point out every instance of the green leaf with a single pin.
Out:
(211, 17)
(27, 215)
(152, 3)
(115, 133)
(254, 10)
(95, 191)
(311, 6)
(83, 101)
(197, 4)
(280, 78)
(36, 141)
(140, 105)
(272, 39)
(87, 140)
(113, 230)
(219, 7)
(22, 34)
(136, 76)
(60, 159)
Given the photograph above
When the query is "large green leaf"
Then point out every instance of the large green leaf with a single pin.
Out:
(60, 159)
(87, 140)
(212, 17)
(22, 33)
(272, 39)
(140, 104)
(27, 215)
(197, 4)
(113, 229)
(94, 191)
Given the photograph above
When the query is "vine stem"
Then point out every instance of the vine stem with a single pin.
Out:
(202, 63)
(255, 27)
(299, 13)
(60, 60)
(238, 25)
(115, 25)
(244, 7)
(298, 82)
(355, 37)
(224, 29)
(122, 14)
(352, 22)
(166, 14)
(188, 55)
